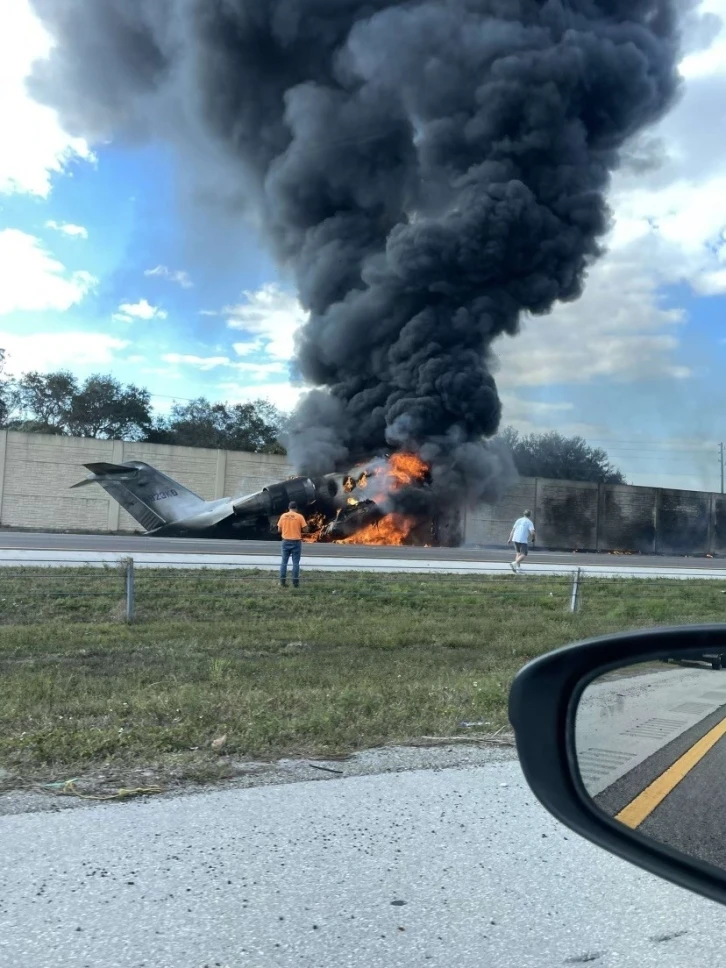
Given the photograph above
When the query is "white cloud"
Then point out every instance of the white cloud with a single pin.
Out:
(272, 314)
(179, 276)
(619, 330)
(705, 63)
(68, 228)
(522, 410)
(537, 416)
(34, 145)
(245, 349)
(283, 395)
(201, 362)
(256, 371)
(57, 350)
(712, 283)
(259, 371)
(161, 373)
(139, 310)
(32, 279)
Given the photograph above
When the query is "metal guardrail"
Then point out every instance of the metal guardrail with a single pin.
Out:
(120, 592)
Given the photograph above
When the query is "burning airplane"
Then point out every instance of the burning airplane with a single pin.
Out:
(371, 503)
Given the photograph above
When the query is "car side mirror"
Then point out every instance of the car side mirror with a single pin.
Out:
(623, 739)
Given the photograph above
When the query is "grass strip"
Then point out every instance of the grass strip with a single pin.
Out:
(347, 662)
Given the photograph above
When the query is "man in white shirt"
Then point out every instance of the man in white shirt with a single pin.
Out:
(522, 531)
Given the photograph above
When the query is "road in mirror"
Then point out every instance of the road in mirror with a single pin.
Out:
(651, 749)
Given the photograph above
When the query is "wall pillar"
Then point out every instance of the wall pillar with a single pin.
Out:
(220, 476)
(3, 458)
(599, 515)
(114, 508)
(656, 520)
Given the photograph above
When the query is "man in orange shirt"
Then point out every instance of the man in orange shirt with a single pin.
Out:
(290, 526)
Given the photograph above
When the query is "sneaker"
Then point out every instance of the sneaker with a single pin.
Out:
(513, 567)
(283, 583)
(295, 584)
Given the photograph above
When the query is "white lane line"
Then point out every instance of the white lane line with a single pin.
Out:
(621, 723)
(56, 559)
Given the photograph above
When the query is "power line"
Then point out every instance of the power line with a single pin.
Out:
(646, 443)
(671, 450)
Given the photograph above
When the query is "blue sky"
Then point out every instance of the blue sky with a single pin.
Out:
(108, 263)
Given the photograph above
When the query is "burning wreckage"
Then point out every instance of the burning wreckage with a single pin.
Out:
(384, 501)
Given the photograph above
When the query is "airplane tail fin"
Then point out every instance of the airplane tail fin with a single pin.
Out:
(150, 497)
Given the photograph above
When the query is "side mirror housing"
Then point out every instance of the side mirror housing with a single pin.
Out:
(623, 739)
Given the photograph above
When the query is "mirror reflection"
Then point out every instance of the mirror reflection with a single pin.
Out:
(650, 740)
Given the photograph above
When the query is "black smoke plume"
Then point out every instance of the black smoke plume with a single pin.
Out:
(429, 170)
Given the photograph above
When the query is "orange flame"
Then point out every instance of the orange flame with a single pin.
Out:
(398, 471)
(316, 523)
(393, 529)
(405, 469)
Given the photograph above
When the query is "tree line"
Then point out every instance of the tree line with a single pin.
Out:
(103, 407)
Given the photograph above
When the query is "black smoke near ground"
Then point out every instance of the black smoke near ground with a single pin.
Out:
(429, 171)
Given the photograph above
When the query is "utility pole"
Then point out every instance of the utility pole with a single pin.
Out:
(720, 457)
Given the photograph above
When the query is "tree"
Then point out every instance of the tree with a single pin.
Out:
(105, 408)
(563, 458)
(252, 426)
(101, 406)
(42, 401)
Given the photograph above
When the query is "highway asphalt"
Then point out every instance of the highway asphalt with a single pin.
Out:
(631, 731)
(623, 722)
(448, 867)
(131, 544)
(692, 818)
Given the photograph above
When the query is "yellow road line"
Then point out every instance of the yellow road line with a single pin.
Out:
(645, 803)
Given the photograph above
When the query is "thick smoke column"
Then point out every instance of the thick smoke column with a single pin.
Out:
(428, 170)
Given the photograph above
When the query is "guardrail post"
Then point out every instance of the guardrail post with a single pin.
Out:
(575, 593)
(130, 590)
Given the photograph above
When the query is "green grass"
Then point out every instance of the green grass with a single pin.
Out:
(344, 663)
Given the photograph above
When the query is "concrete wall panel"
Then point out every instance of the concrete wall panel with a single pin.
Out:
(39, 471)
(718, 526)
(490, 524)
(566, 515)
(627, 518)
(246, 473)
(682, 522)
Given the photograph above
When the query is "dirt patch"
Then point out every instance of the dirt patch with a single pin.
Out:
(103, 786)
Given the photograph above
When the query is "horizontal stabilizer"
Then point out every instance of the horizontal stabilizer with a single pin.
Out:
(103, 468)
(105, 471)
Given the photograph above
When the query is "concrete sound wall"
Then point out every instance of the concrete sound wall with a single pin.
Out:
(577, 516)
(37, 471)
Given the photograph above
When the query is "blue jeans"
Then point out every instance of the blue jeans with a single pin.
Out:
(290, 549)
